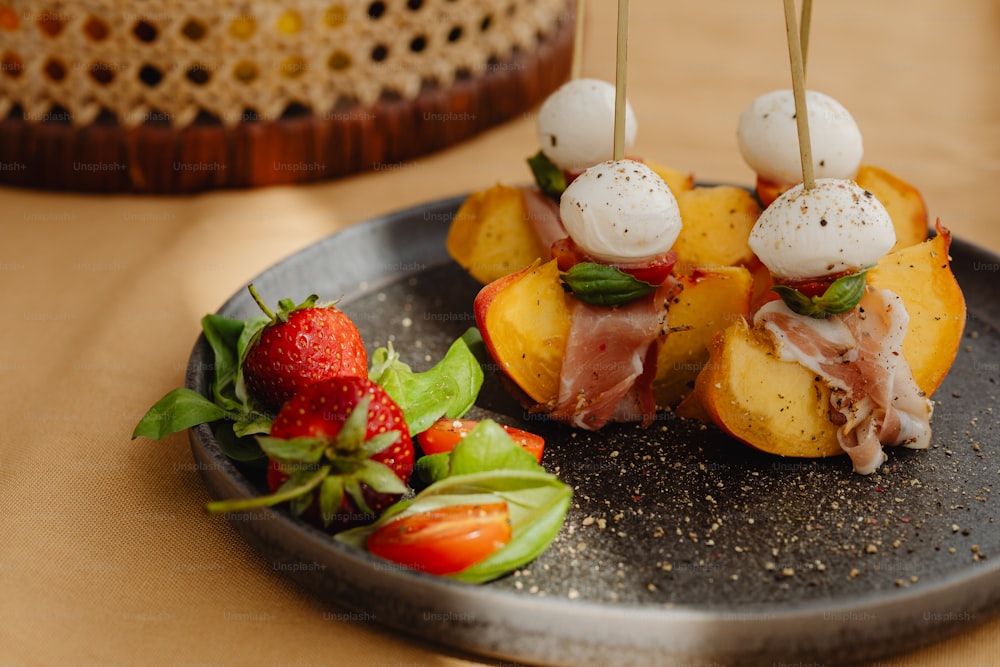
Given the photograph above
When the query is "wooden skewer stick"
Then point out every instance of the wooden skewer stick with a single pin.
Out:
(804, 32)
(799, 93)
(622, 61)
(577, 65)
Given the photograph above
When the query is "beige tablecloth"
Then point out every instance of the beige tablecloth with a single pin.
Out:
(106, 554)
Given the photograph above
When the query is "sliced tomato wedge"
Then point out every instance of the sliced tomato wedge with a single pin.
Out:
(446, 540)
(444, 434)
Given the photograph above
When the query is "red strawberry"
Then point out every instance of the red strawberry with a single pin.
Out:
(345, 442)
(302, 344)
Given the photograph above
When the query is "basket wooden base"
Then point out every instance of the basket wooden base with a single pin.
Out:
(298, 148)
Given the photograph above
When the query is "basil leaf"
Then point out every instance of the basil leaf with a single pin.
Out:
(550, 179)
(488, 447)
(251, 423)
(180, 409)
(798, 302)
(845, 293)
(473, 339)
(603, 285)
(245, 450)
(222, 334)
(448, 389)
(381, 361)
(184, 408)
(842, 295)
(251, 332)
(431, 468)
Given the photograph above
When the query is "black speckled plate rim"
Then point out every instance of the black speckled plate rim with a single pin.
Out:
(504, 625)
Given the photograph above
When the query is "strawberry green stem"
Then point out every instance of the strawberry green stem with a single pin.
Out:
(260, 302)
(224, 506)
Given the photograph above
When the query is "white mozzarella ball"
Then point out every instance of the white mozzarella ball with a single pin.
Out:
(621, 211)
(576, 124)
(832, 228)
(769, 141)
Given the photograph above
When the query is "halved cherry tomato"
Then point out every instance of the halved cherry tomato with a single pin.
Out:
(654, 271)
(446, 540)
(444, 434)
(567, 253)
(571, 175)
(814, 286)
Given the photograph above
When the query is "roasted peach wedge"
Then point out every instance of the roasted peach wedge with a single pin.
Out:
(781, 407)
(717, 222)
(678, 181)
(904, 203)
(492, 236)
(525, 320)
(710, 301)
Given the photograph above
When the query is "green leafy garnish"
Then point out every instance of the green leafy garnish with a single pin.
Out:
(184, 408)
(485, 467)
(448, 389)
(180, 409)
(550, 179)
(842, 295)
(603, 285)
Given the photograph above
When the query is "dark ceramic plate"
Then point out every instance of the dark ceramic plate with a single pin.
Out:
(681, 546)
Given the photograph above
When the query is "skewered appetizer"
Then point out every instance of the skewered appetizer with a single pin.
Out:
(846, 359)
(503, 229)
(606, 331)
(768, 141)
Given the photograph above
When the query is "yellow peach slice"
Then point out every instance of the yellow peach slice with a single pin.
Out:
(716, 224)
(491, 235)
(781, 407)
(525, 319)
(710, 302)
(904, 203)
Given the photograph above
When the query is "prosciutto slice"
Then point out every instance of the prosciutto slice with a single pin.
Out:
(874, 399)
(610, 361)
(543, 215)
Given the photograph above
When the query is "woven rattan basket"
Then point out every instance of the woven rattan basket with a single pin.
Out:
(187, 95)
